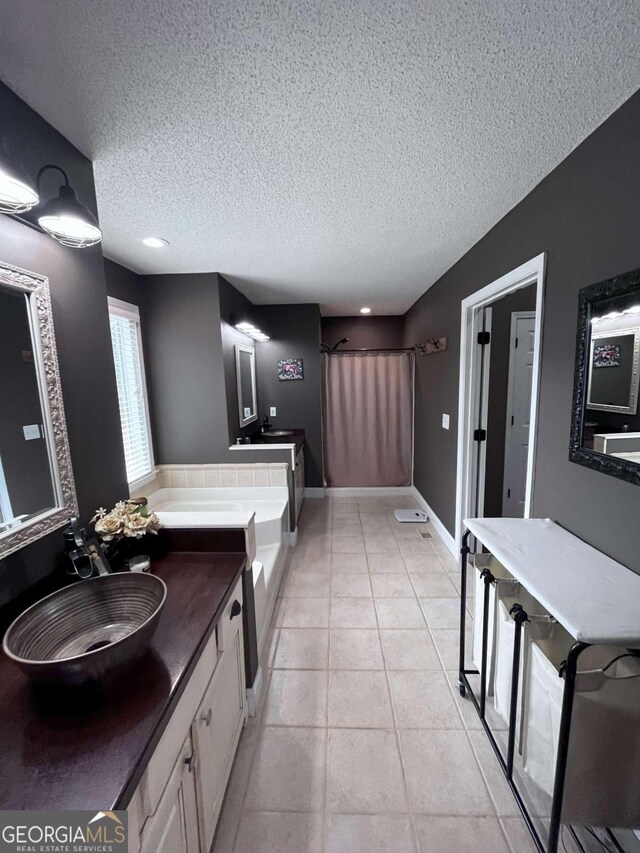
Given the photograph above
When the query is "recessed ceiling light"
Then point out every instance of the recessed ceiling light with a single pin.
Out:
(365, 310)
(155, 242)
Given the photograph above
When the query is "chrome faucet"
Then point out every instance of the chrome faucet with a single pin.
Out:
(80, 561)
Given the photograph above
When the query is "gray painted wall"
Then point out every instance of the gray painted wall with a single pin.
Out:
(295, 333)
(181, 321)
(521, 300)
(79, 301)
(585, 215)
(187, 375)
(364, 332)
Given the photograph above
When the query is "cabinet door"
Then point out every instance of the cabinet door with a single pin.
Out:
(299, 481)
(173, 828)
(216, 731)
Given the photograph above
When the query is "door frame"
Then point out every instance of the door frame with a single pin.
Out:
(515, 316)
(469, 391)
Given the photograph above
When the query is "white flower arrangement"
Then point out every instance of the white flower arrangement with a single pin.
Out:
(127, 519)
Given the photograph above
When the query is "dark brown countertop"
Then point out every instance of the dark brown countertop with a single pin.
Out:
(296, 438)
(88, 749)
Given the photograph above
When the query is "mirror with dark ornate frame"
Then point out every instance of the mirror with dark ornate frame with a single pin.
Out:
(37, 491)
(605, 427)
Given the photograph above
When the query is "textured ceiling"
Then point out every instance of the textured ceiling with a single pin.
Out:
(317, 150)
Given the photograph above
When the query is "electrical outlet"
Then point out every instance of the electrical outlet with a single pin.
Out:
(30, 432)
(445, 421)
(272, 412)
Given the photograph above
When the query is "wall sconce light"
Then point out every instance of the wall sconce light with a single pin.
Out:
(17, 193)
(65, 219)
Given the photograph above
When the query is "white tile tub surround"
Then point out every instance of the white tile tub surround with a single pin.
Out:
(255, 475)
(258, 475)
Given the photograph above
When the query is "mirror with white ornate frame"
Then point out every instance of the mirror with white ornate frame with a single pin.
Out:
(37, 491)
(246, 382)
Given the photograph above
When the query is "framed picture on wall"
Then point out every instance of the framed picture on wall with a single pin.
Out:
(290, 368)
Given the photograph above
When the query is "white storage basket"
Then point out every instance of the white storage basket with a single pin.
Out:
(540, 625)
(602, 786)
(505, 584)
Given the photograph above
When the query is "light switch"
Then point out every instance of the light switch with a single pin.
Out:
(31, 431)
(445, 421)
(272, 412)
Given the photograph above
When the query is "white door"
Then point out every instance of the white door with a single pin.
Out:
(217, 728)
(174, 826)
(516, 449)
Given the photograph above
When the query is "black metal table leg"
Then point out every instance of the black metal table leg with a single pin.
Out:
(488, 580)
(519, 617)
(463, 609)
(570, 672)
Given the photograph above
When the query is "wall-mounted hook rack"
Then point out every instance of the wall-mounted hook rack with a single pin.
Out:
(432, 345)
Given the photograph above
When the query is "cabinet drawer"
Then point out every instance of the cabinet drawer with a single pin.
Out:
(231, 620)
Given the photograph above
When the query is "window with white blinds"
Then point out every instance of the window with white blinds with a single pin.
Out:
(132, 392)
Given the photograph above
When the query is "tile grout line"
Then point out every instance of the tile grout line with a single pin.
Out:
(414, 832)
(325, 828)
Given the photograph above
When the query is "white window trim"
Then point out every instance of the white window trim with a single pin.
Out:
(132, 312)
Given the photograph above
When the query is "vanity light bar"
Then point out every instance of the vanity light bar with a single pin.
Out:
(253, 332)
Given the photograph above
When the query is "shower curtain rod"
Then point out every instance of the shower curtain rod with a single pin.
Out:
(373, 349)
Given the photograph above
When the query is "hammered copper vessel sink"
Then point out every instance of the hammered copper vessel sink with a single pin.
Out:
(86, 630)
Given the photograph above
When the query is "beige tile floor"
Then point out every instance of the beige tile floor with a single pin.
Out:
(362, 743)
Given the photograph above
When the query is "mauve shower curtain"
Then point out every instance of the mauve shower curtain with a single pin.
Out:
(368, 419)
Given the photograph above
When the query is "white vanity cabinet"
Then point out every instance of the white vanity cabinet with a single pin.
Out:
(298, 480)
(177, 803)
(216, 731)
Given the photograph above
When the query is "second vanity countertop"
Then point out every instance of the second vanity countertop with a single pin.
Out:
(297, 438)
(88, 750)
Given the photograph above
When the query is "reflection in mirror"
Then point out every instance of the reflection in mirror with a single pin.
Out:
(246, 379)
(37, 494)
(26, 486)
(606, 423)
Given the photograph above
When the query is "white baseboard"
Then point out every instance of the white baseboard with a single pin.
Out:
(439, 527)
(253, 694)
(382, 491)
(313, 493)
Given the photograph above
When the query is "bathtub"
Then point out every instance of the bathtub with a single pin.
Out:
(263, 512)
(232, 507)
